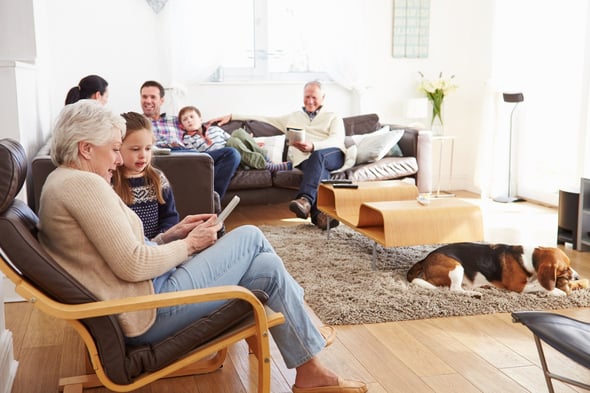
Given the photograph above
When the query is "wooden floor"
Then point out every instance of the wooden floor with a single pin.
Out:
(461, 354)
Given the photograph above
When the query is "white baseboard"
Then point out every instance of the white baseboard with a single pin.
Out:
(7, 291)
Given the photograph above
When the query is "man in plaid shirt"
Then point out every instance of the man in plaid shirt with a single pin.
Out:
(168, 134)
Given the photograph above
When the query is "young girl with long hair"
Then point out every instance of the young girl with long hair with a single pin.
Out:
(144, 188)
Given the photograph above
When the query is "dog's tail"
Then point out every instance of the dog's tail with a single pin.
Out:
(415, 271)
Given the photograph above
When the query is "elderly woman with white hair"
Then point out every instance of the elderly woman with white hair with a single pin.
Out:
(89, 231)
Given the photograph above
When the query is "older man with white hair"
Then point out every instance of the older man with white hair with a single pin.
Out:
(321, 152)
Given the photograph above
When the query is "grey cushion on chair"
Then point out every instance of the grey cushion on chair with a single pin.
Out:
(18, 225)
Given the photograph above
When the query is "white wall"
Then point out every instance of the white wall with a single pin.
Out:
(117, 40)
(121, 41)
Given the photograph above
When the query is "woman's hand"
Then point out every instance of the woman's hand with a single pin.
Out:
(182, 229)
(203, 235)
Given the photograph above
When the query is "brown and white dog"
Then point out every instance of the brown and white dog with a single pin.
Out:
(472, 265)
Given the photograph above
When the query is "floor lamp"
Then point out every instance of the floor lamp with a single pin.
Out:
(513, 98)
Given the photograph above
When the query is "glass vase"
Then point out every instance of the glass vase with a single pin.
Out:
(436, 126)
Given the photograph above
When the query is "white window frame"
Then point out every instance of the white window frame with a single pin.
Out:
(260, 70)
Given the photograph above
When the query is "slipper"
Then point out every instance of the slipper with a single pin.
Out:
(344, 386)
(328, 333)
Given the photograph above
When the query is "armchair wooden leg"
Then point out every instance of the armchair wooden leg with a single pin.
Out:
(252, 345)
(78, 383)
(76, 388)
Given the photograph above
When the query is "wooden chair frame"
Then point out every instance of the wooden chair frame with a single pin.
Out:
(255, 330)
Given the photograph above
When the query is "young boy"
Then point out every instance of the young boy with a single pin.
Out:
(213, 137)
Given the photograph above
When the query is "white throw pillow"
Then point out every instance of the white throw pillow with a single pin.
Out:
(273, 145)
(358, 138)
(349, 159)
(376, 145)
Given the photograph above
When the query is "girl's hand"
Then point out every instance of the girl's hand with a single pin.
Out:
(182, 229)
(203, 235)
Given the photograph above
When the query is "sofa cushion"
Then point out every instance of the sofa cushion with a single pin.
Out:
(250, 178)
(384, 169)
(288, 179)
(374, 146)
(362, 124)
(273, 145)
(349, 159)
(260, 128)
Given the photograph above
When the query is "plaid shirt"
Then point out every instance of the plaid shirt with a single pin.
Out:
(167, 131)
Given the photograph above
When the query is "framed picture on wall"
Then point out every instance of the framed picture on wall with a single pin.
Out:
(411, 27)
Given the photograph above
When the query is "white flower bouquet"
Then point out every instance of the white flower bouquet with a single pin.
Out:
(435, 90)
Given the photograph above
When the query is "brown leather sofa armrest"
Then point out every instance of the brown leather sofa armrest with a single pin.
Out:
(191, 177)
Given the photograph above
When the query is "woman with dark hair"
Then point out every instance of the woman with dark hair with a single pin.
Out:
(91, 86)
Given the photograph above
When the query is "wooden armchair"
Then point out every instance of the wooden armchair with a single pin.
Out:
(199, 348)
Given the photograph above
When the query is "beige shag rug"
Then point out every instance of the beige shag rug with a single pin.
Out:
(343, 289)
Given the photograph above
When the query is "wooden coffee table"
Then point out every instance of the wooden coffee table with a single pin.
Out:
(393, 217)
(344, 204)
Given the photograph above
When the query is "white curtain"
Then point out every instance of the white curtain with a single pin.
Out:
(335, 36)
(197, 37)
(329, 35)
(547, 64)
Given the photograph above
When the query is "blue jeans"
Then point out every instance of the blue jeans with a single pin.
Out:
(243, 257)
(225, 163)
(315, 169)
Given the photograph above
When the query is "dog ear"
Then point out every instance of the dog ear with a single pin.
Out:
(536, 257)
(546, 275)
(517, 249)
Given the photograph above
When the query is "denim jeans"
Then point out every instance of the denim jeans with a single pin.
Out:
(243, 257)
(225, 163)
(315, 169)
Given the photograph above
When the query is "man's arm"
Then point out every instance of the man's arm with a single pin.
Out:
(279, 122)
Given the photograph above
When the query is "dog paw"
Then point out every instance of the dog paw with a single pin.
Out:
(557, 292)
(467, 292)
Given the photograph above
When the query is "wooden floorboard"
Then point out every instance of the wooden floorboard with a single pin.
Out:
(487, 353)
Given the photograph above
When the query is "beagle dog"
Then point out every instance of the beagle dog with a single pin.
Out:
(464, 266)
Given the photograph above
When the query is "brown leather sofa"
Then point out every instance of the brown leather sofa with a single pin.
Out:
(191, 174)
(262, 187)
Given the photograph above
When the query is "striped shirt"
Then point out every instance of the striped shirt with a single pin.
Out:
(216, 138)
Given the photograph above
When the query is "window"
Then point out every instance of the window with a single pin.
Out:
(272, 41)
(257, 40)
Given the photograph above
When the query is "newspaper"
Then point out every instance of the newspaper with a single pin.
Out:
(295, 135)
